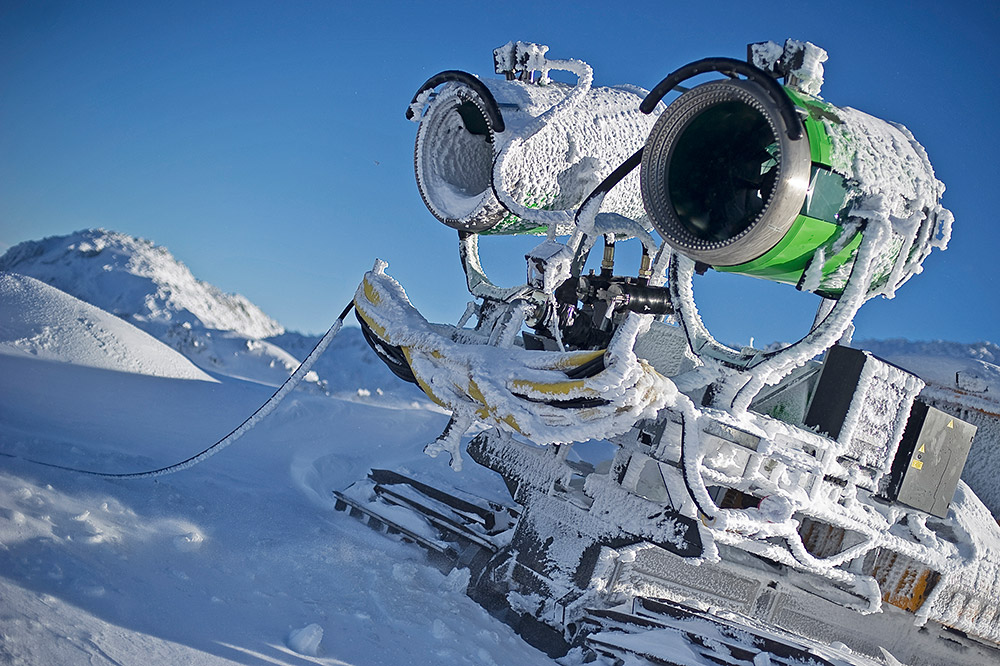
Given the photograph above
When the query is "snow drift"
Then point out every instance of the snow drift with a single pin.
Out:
(44, 322)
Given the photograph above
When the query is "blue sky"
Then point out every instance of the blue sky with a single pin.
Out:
(264, 143)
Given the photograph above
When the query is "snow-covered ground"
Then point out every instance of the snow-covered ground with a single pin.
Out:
(220, 563)
(241, 559)
(238, 560)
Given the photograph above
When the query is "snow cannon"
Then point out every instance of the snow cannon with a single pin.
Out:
(748, 176)
(514, 156)
(663, 494)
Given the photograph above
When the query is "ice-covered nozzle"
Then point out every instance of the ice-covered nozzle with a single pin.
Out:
(733, 180)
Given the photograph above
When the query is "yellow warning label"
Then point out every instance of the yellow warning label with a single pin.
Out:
(919, 464)
(922, 449)
(951, 424)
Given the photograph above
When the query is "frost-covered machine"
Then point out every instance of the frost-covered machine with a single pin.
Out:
(672, 499)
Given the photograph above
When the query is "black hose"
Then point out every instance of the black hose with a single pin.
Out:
(234, 434)
(492, 108)
(605, 186)
(730, 67)
(684, 473)
(392, 356)
(613, 179)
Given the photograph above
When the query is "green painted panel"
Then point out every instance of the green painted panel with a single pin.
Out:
(787, 260)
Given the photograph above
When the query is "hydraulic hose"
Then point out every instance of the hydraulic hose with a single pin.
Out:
(492, 109)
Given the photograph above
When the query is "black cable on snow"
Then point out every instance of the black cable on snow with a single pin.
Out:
(252, 420)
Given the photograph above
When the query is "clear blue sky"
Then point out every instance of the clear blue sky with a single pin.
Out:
(264, 143)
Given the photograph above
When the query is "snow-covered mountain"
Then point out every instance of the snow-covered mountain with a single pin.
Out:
(135, 280)
(145, 285)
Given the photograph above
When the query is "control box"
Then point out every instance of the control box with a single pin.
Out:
(930, 459)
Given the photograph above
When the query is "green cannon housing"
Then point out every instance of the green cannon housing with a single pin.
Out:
(725, 184)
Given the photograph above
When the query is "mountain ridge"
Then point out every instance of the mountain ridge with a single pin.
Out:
(137, 280)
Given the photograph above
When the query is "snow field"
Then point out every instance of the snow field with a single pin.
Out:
(238, 560)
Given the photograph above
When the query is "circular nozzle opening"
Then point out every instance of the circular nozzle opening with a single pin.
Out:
(454, 161)
(721, 180)
(722, 172)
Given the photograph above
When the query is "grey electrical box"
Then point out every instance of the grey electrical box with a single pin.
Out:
(930, 459)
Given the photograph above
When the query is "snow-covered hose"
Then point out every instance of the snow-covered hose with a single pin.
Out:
(259, 415)
(771, 367)
(691, 458)
(772, 520)
(827, 332)
(801, 554)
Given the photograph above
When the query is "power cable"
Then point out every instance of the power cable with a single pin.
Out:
(252, 420)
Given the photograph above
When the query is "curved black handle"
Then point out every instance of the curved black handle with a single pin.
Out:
(492, 109)
(731, 67)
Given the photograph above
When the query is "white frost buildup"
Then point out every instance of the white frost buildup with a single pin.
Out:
(559, 142)
(899, 193)
(807, 76)
(306, 640)
(526, 392)
(766, 54)
(804, 62)
(520, 57)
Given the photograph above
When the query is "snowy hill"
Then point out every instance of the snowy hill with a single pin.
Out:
(44, 322)
(136, 280)
(145, 285)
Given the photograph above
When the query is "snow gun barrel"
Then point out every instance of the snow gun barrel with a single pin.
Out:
(733, 179)
(742, 174)
(517, 155)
